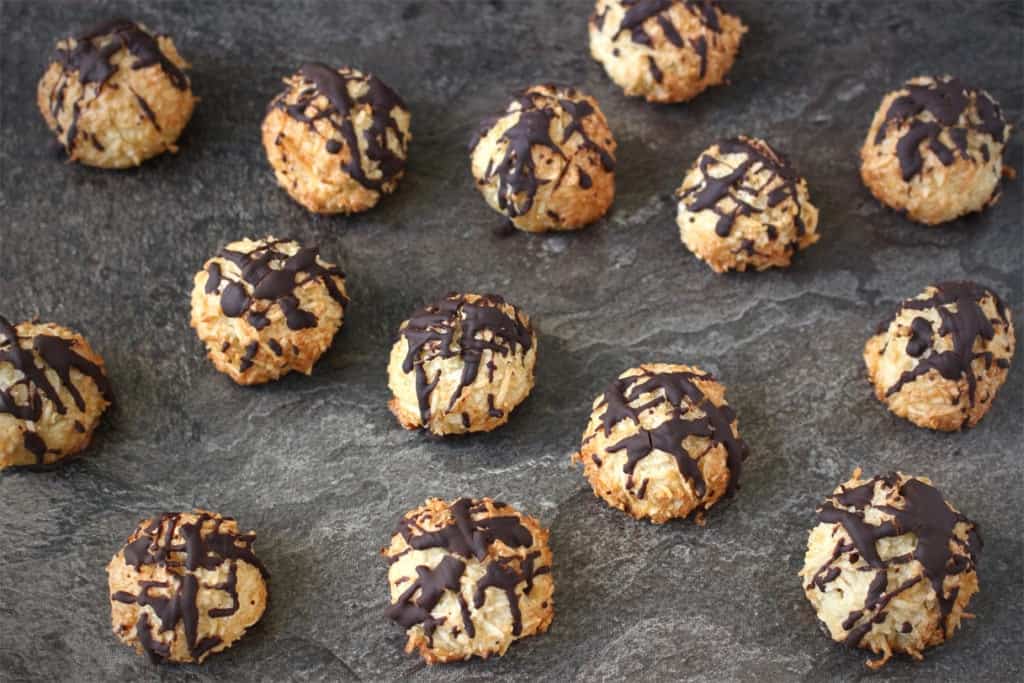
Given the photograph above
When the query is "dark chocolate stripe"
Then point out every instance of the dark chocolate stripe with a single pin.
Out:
(322, 81)
(203, 545)
(454, 326)
(679, 390)
(947, 101)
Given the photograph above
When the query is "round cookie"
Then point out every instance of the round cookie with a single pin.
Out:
(940, 359)
(116, 95)
(267, 307)
(185, 585)
(462, 365)
(468, 578)
(890, 567)
(935, 150)
(53, 390)
(336, 139)
(742, 205)
(548, 161)
(664, 50)
(662, 443)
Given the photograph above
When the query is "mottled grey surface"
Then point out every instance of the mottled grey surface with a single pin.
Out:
(321, 469)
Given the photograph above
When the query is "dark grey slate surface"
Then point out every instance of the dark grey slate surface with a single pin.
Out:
(320, 468)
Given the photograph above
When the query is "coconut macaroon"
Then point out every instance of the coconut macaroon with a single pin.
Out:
(53, 391)
(336, 139)
(890, 567)
(548, 161)
(664, 50)
(266, 307)
(743, 205)
(468, 578)
(462, 365)
(185, 585)
(116, 95)
(935, 150)
(940, 359)
(662, 443)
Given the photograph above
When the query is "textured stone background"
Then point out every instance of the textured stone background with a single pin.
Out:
(320, 468)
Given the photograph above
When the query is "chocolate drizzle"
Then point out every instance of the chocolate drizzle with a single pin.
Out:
(321, 82)
(467, 536)
(670, 32)
(431, 585)
(924, 513)
(48, 352)
(947, 101)
(460, 327)
(491, 410)
(639, 11)
(146, 111)
(536, 110)
(964, 319)
(504, 577)
(91, 58)
(827, 573)
(470, 533)
(733, 194)
(920, 337)
(652, 66)
(700, 46)
(679, 390)
(203, 545)
(270, 276)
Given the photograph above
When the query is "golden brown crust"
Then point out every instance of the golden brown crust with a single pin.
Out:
(308, 136)
(185, 586)
(935, 170)
(45, 414)
(672, 55)
(478, 334)
(742, 205)
(548, 161)
(286, 331)
(468, 578)
(917, 361)
(883, 550)
(655, 446)
(126, 118)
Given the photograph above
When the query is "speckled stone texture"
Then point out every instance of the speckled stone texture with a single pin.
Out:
(321, 469)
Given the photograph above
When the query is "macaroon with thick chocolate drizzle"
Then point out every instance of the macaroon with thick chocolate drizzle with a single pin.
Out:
(267, 307)
(662, 443)
(186, 585)
(890, 566)
(53, 391)
(116, 95)
(743, 205)
(934, 151)
(337, 139)
(462, 364)
(664, 50)
(468, 578)
(548, 161)
(942, 356)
